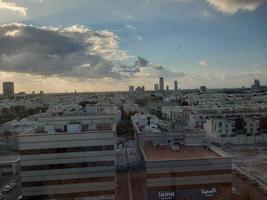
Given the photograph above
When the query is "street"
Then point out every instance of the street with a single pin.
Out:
(13, 194)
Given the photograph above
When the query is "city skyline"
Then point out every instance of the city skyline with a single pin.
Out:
(219, 44)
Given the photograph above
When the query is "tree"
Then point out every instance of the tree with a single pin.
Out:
(124, 127)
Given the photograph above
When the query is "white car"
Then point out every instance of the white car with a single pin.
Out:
(9, 187)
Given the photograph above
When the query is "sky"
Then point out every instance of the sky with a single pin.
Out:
(107, 45)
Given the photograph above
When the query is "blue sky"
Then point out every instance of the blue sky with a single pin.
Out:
(218, 43)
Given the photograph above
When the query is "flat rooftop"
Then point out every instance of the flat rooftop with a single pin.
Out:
(184, 153)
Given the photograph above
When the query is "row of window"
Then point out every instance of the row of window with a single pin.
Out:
(184, 187)
(67, 165)
(71, 195)
(192, 173)
(66, 150)
(68, 181)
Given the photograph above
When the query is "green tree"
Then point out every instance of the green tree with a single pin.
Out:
(124, 127)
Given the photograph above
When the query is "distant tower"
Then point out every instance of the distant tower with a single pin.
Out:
(131, 89)
(175, 85)
(161, 83)
(257, 83)
(143, 88)
(156, 87)
(8, 89)
(203, 89)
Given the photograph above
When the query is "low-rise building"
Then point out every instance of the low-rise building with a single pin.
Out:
(236, 131)
(186, 172)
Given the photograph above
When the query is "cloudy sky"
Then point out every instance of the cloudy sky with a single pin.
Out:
(106, 45)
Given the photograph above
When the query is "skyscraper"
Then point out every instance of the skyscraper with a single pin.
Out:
(131, 89)
(203, 89)
(257, 83)
(175, 85)
(161, 83)
(156, 87)
(8, 89)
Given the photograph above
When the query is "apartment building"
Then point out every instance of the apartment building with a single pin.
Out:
(197, 119)
(178, 115)
(9, 165)
(150, 129)
(69, 156)
(236, 131)
(10, 131)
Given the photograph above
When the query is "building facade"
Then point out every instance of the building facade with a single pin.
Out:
(187, 172)
(70, 155)
(8, 89)
(161, 84)
(175, 85)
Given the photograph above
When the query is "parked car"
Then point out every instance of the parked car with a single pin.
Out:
(9, 187)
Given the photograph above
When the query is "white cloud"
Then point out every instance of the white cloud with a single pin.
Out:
(13, 7)
(203, 63)
(75, 51)
(205, 13)
(131, 27)
(71, 52)
(139, 38)
(233, 6)
(130, 17)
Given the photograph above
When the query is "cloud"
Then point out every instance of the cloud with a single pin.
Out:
(141, 62)
(233, 6)
(68, 52)
(13, 7)
(130, 17)
(142, 68)
(139, 38)
(203, 63)
(71, 52)
(131, 27)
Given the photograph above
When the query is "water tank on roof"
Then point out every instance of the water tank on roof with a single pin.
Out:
(74, 128)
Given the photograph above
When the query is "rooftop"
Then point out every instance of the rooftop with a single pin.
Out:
(40, 130)
(185, 152)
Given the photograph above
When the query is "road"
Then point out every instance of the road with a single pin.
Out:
(15, 193)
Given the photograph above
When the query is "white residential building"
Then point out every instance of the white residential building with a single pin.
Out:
(65, 158)
(226, 131)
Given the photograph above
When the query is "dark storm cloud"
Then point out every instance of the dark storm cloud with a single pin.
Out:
(73, 52)
(141, 62)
